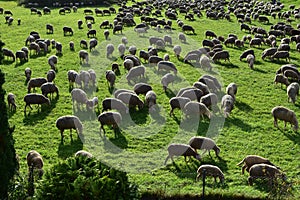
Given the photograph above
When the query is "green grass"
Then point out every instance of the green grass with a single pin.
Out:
(140, 147)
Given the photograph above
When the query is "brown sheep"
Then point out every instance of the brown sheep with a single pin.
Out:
(285, 114)
(35, 161)
(251, 160)
(210, 170)
(181, 150)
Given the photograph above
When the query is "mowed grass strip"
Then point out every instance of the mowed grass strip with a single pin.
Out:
(141, 145)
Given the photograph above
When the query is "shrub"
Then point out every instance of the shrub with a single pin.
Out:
(85, 178)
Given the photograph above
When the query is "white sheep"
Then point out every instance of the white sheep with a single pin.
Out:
(109, 50)
(182, 37)
(92, 76)
(205, 62)
(83, 56)
(124, 40)
(177, 50)
(204, 143)
(210, 170)
(166, 80)
(79, 96)
(121, 49)
(181, 150)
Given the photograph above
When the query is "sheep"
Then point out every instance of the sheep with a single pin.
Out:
(283, 68)
(204, 143)
(35, 162)
(131, 99)
(202, 86)
(255, 42)
(210, 100)
(91, 33)
(150, 100)
(110, 77)
(49, 28)
(109, 50)
(78, 96)
(83, 56)
(224, 54)
(210, 170)
(83, 153)
(85, 77)
(264, 171)
(154, 39)
(251, 160)
(192, 94)
(291, 74)
(34, 46)
(284, 47)
(166, 80)
(49, 87)
(281, 54)
(11, 100)
(90, 26)
(73, 76)
(188, 28)
(196, 108)
(118, 91)
(79, 24)
(52, 61)
(121, 49)
(180, 150)
(67, 30)
(231, 90)
(9, 53)
(92, 77)
(135, 72)
(128, 64)
(72, 46)
(135, 59)
(106, 34)
(145, 55)
(58, 47)
(124, 40)
(69, 122)
(35, 99)
(43, 46)
(177, 50)
(83, 44)
(208, 43)
(293, 91)
(210, 83)
(109, 118)
(191, 57)
(166, 65)
(227, 103)
(113, 103)
(93, 43)
(21, 55)
(168, 40)
(285, 114)
(182, 37)
(28, 73)
(141, 88)
(91, 103)
(205, 63)
(268, 52)
(154, 60)
(35, 82)
(279, 78)
(26, 50)
(178, 102)
(250, 60)
(210, 33)
(132, 50)
(117, 28)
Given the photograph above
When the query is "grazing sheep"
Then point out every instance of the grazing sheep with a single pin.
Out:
(192, 94)
(79, 24)
(250, 60)
(154, 60)
(9, 53)
(168, 40)
(26, 50)
(204, 143)
(110, 77)
(231, 90)
(210, 33)
(91, 103)
(141, 88)
(227, 103)
(150, 100)
(202, 86)
(113, 103)
(73, 77)
(224, 54)
(109, 118)
(128, 64)
(177, 50)
(83, 44)
(131, 99)
(210, 170)
(124, 40)
(132, 50)
(121, 49)
(83, 153)
(72, 46)
(93, 77)
(210, 83)
(58, 47)
(28, 73)
(246, 53)
(134, 72)
(182, 90)
(49, 88)
(283, 68)
(268, 52)
(117, 28)
(285, 114)
(180, 150)
(11, 100)
(210, 100)
(166, 65)
(188, 28)
(291, 74)
(144, 54)
(255, 42)
(106, 34)
(135, 59)
(69, 122)
(251, 160)
(51, 75)
(109, 50)
(196, 108)
(49, 28)
(166, 80)
(83, 56)
(91, 33)
(67, 30)
(85, 77)
(182, 37)
(281, 55)
(115, 67)
(78, 96)
(33, 46)
(52, 61)
(279, 78)
(35, 82)
(93, 43)
(264, 171)
(205, 63)
(178, 102)
(35, 99)
(293, 91)
(191, 57)
(21, 55)
(119, 91)
(35, 161)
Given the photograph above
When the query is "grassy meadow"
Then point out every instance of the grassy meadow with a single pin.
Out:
(140, 146)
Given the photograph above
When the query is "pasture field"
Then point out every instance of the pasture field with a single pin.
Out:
(140, 147)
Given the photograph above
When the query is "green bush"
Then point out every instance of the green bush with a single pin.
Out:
(85, 178)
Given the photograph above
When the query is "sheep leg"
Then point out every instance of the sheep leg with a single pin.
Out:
(167, 158)
(284, 124)
(243, 169)
(275, 122)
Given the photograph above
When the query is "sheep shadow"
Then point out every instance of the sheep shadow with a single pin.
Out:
(169, 93)
(67, 150)
(119, 140)
(85, 65)
(227, 64)
(95, 53)
(259, 70)
(11, 112)
(195, 123)
(243, 106)
(7, 62)
(239, 123)
(294, 136)
(139, 116)
(59, 55)
(19, 64)
(39, 114)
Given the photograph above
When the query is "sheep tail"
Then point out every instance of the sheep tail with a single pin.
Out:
(241, 162)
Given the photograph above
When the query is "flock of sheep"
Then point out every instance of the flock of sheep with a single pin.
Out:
(202, 98)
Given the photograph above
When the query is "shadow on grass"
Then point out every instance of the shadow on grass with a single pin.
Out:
(95, 53)
(7, 62)
(243, 106)
(19, 64)
(66, 150)
(169, 93)
(239, 123)
(293, 136)
(259, 70)
(139, 116)
(227, 64)
(195, 124)
(119, 140)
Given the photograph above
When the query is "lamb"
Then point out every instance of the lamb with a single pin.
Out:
(35, 82)
(35, 162)
(28, 73)
(73, 76)
(250, 60)
(11, 100)
(168, 40)
(178, 102)
(281, 54)
(182, 37)
(204, 143)
(78, 96)
(109, 50)
(210, 170)
(110, 77)
(210, 100)
(268, 52)
(196, 108)
(113, 103)
(279, 78)
(291, 74)
(264, 171)
(35, 99)
(224, 54)
(128, 64)
(69, 122)
(121, 49)
(166, 57)
(131, 99)
(166, 80)
(180, 150)
(83, 56)
(227, 103)
(141, 88)
(231, 90)
(166, 65)
(91, 103)
(192, 94)
(205, 63)
(293, 91)
(52, 61)
(285, 114)
(49, 88)
(83, 153)
(150, 100)
(135, 72)
(93, 43)
(251, 160)
(109, 118)
(177, 50)
(106, 34)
